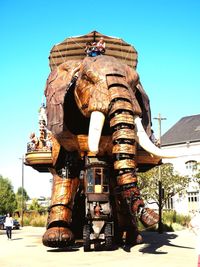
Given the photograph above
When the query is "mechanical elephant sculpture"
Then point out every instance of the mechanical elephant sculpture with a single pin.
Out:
(95, 107)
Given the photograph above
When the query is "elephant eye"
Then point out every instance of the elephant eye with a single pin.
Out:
(89, 77)
(86, 78)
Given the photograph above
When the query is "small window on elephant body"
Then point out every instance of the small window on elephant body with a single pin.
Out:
(98, 176)
(90, 180)
(97, 180)
(105, 180)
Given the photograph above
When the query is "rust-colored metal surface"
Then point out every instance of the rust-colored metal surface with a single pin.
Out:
(106, 85)
(58, 233)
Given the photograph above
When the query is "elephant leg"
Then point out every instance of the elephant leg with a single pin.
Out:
(124, 150)
(126, 224)
(58, 233)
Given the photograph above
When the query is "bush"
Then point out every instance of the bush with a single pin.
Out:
(172, 218)
(34, 219)
(39, 221)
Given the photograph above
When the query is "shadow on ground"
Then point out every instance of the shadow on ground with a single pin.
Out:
(154, 241)
(78, 245)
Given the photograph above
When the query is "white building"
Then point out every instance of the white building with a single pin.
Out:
(184, 139)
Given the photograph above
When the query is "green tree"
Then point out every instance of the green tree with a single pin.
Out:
(197, 175)
(19, 198)
(35, 205)
(197, 178)
(172, 183)
(7, 196)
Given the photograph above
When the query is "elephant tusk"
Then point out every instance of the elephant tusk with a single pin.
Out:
(96, 125)
(144, 141)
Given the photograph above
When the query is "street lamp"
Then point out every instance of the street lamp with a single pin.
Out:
(22, 200)
(160, 190)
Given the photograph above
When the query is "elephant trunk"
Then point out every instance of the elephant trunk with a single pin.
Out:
(124, 146)
(122, 121)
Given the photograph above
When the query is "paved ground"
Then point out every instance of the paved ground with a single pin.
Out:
(175, 249)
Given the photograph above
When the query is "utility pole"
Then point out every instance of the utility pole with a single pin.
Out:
(160, 190)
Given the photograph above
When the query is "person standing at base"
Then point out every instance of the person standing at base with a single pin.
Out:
(9, 226)
(195, 226)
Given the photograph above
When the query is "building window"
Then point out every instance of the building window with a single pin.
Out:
(191, 165)
(193, 196)
(169, 204)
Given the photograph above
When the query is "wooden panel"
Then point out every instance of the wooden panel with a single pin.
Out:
(39, 160)
(97, 197)
(73, 46)
(57, 61)
(125, 50)
(146, 158)
(38, 157)
(67, 52)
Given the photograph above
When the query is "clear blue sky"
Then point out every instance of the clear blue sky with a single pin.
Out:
(166, 34)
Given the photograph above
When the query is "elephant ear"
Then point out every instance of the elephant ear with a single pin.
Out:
(140, 99)
(56, 86)
(143, 100)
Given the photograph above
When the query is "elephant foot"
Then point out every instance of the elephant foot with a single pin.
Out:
(58, 237)
(133, 237)
(148, 217)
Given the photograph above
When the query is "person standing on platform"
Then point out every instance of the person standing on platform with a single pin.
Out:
(101, 46)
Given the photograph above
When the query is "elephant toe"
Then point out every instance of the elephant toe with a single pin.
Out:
(59, 237)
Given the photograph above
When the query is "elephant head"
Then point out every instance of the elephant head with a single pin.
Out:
(105, 90)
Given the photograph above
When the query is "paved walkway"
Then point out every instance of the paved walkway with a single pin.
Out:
(174, 249)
